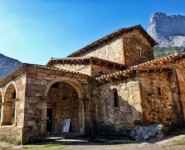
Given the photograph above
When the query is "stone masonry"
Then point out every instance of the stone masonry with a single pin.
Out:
(109, 87)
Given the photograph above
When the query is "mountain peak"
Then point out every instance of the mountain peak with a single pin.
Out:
(7, 65)
(167, 30)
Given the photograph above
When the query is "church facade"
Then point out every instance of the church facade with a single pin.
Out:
(109, 86)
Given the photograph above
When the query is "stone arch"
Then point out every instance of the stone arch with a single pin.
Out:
(8, 85)
(73, 82)
(8, 115)
(81, 95)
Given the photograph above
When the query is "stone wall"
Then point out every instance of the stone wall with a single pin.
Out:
(180, 65)
(130, 49)
(160, 100)
(13, 132)
(127, 113)
(112, 51)
(100, 70)
(91, 70)
(86, 69)
(136, 48)
(64, 101)
(38, 85)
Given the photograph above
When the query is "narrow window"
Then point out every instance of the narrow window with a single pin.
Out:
(116, 98)
(159, 91)
(139, 53)
(106, 50)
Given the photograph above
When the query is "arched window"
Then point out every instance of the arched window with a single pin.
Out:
(115, 98)
(139, 53)
(9, 106)
(159, 91)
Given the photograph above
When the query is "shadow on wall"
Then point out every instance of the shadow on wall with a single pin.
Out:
(118, 118)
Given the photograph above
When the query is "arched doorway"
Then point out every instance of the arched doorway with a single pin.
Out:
(9, 105)
(64, 105)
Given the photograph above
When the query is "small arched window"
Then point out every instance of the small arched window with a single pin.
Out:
(115, 98)
(9, 106)
(159, 91)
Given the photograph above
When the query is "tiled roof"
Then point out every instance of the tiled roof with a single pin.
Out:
(42, 67)
(159, 64)
(110, 37)
(84, 60)
(52, 68)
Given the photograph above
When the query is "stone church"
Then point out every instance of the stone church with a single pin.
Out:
(108, 86)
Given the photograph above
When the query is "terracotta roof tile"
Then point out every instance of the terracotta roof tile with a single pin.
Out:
(150, 65)
(84, 60)
(52, 68)
(36, 66)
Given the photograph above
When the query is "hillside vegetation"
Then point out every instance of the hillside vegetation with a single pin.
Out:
(165, 51)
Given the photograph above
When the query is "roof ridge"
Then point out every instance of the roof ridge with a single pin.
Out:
(76, 59)
(24, 65)
(110, 36)
(52, 68)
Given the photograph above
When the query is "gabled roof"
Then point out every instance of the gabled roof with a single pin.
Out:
(25, 66)
(110, 37)
(85, 61)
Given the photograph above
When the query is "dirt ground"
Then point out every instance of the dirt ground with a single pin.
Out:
(58, 143)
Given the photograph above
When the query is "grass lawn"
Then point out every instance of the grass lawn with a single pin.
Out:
(180, 142)
(46, 147)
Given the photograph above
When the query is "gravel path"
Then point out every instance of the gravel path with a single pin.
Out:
(83, 144)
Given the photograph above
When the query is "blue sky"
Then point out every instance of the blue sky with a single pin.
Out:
(33, 31)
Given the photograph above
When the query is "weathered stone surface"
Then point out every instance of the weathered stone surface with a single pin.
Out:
(129, 109)
(181, 82)
(86, 69)
(12, 131)
(91, 70)
(157, 98)
(100, 70)
(111, 106)
(136, 49)
(106, 51)
(62, 94)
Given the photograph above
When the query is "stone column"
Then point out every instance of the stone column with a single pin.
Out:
(86, 114)
(81, 116)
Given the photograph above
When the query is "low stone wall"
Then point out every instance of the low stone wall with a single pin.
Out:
(11, 134)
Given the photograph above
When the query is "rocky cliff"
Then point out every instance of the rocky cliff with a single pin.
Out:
(7, 65)
(168, 31)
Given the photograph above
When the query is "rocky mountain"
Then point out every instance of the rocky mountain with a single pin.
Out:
(168, 31)
(7, 65)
